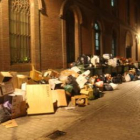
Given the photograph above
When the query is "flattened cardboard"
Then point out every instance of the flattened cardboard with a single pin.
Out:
(39, 99)
(10, 124)
(60, 96)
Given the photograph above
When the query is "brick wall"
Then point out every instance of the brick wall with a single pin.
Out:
(48, 38)
(4, 48)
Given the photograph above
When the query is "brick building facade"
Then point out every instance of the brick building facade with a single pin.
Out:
(62, 30)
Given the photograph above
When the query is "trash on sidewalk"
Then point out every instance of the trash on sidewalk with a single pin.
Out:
(7, 88)
(70, 108)
(21, 79)
(39, 99)
(87, 91)
(5, 114)
(41, 92)
(10, 124)
(80, 100)
(35, 75)
(51, 73)
(53, 83)
(5, 77)
(60, 96)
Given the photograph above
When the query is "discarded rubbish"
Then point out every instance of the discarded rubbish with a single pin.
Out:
(10, 124)
(41, 92)
(70, 108)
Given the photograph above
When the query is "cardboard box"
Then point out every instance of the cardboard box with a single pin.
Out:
(51, 73)
(14, 79)
(69, 72)
(7, 88)
(18, 103)
(60, 96)
(74, 98)
(5, 76)
(19, 109)
(53, 83)
(31, 82)
(39, 99)
(35, 75)
(1, 93)
(17, 100)
(21, 79)
(88, 92)
(19, 92)
(17, 106)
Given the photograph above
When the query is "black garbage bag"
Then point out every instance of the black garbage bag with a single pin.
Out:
(117, 79)
(107, 87)
(72, 81)
(97, 93)
(5, 115)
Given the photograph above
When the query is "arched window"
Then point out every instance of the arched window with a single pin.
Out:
(136, 42)
(114, 7)
(128, 45)
(113, 3)
(19, 15)
(114, 45)
(128, 11)
(97, 38)
(70, 36)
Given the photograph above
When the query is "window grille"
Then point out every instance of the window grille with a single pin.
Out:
(19, 13)
(97, 38)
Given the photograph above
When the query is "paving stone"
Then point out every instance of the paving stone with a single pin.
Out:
(116, 116)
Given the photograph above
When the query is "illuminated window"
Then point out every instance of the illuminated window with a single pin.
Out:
(113, 47)
(97, 38)
(112, 3)
(136, 52)
(19, 31)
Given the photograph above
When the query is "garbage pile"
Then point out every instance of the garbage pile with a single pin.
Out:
(44, 92)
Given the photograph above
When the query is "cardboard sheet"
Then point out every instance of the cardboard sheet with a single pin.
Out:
(10, 124)
(39, 99)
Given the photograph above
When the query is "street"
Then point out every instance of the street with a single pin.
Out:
(118, 119)
(115, 116)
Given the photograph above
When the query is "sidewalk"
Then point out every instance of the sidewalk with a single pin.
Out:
(37, 127)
